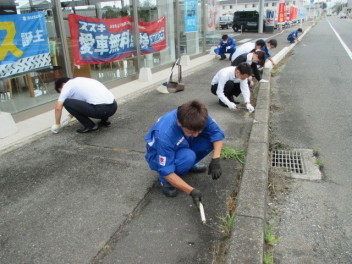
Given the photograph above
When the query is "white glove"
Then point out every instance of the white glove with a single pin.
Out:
(228, 47)
(55, 128)
(250, 108)
(263, 81)
(66, 121)
(232, 106)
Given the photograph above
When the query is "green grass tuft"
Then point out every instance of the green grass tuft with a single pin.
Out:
(233, 153)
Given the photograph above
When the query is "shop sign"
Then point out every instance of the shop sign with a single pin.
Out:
(269, 18)
(281, 13)
(191, 15)
(96, 41)
(24, 44)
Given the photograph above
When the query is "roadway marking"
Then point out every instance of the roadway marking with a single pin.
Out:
(243, 40)
(342, 42)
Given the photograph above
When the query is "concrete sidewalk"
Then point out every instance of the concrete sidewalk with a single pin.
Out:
(71, 198)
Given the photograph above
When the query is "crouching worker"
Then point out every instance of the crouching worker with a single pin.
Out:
(294, 35)
(178, 141)
(233, 81)
(83, 98)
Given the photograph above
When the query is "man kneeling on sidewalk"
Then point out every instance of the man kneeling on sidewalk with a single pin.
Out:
(178, 141)
(83, 98)
(232, 81)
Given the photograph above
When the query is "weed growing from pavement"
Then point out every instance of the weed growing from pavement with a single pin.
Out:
(225, 226)
(315, 152)
(226, 223)
(270, 238)
(233, 153)
(268, 258)
(319, 163)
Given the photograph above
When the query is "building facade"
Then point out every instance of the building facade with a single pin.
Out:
(229, 7)
(106, 40)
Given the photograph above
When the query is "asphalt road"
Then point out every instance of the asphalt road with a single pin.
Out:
(312, 106)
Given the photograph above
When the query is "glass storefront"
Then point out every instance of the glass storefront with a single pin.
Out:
(166, 29)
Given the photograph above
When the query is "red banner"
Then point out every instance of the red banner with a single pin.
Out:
(281, 14)
(96, 41)
(152, 35)
(292, 13)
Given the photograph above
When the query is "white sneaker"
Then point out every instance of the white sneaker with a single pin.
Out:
(263, 81)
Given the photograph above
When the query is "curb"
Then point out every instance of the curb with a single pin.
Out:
(246, 244)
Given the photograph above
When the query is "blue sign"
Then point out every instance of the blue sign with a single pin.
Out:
(191, 15)
(24, 43)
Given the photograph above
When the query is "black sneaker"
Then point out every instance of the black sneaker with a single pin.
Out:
(223, 58)
(104, 123)
(168, 190)
(198, 168)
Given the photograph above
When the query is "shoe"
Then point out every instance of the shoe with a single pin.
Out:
(88, 129)
(168, 190)
(223, 58)
(104, 123)
(198, 168)
(263, 81)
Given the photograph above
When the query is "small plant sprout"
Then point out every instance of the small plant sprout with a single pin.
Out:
(268, 258)
(319, 163)
(315, 152)
(226, 223)
(233, 153)
(269, 237)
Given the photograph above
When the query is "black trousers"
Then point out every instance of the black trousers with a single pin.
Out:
(231, 89)
(82, 111)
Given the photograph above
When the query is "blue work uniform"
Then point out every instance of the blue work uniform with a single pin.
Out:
(170, 150)
(266, 50)
(221, 49)
(291, 37)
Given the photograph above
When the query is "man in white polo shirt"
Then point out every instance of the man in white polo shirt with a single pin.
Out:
(83, 98)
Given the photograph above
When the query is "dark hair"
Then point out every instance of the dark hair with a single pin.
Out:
(244, 68)
(273, 42)
(299, 30)
(260, 43)
(193, 115)
(261, 56)
(59, 83)
(224, 37)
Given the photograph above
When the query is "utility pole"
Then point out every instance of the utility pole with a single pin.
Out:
(261, 16)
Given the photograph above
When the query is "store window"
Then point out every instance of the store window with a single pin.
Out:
(158, 44)
(100, 39)
(32, 54)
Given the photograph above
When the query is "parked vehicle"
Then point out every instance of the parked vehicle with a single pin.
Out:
(342, 15)
(225, 22)
(247, 20)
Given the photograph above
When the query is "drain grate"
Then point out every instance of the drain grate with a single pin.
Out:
(291, 160)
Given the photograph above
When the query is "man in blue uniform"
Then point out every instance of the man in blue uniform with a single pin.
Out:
(294, 35)
(178, 141)
(226, 45)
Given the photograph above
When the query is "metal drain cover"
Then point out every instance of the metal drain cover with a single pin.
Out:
(299, 163)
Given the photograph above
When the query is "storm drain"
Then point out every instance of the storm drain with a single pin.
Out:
(290, 160)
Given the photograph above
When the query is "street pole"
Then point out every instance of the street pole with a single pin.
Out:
(261, 16)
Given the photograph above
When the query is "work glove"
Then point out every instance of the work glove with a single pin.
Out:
(196, 196)
(55, 128)
(232, 106)
(215, 169)
(250, 108)
(228, 47)
(66, 121)
(263, 81)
